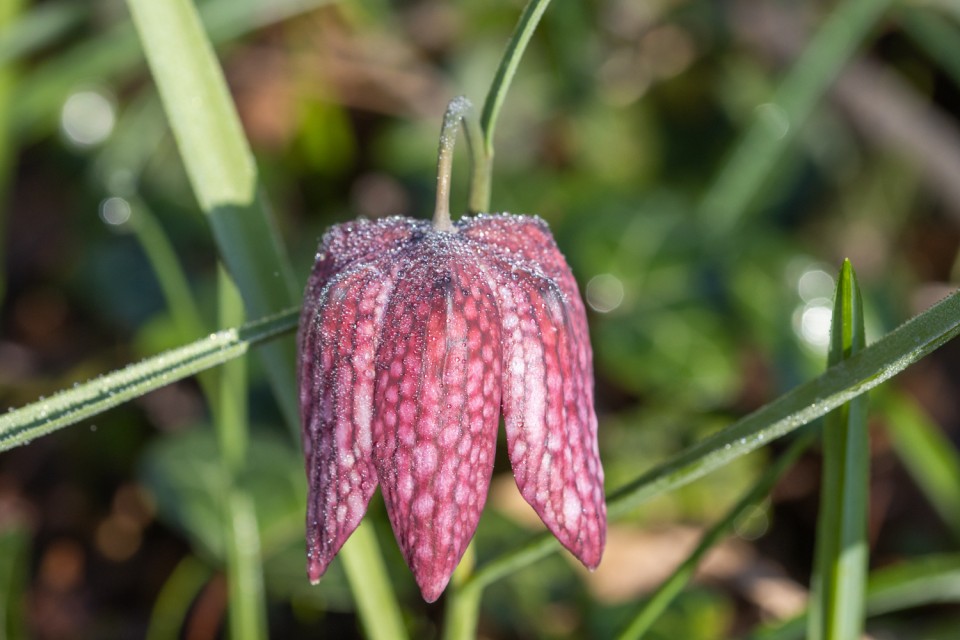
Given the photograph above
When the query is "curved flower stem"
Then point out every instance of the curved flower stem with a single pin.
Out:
(457, 110)
(483, 169)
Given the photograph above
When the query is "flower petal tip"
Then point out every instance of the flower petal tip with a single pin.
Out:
(431, 592)
(316, 567)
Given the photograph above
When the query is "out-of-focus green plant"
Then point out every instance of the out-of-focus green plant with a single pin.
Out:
(680, 293)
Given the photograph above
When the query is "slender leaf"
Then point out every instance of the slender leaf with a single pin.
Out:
(929, 456)
(220, 166)
(929, 580)
(839, 578)
(759, 149)
(660, 599)
(874, 365)
(175, 598)
(86, 400)
(38, 28)
(529, 19)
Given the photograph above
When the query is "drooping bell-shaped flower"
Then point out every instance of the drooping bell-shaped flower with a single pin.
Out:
(414, 337)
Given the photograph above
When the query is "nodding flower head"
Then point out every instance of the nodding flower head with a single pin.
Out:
(413, 340)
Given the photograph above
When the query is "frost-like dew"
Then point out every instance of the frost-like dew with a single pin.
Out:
(410, 377)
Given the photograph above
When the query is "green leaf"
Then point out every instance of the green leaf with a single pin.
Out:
(929, 580)
(840, 566)
(863, 371)
(660, 599)
(930, 457)
(86, 400)
(14, 553)
(759, 149)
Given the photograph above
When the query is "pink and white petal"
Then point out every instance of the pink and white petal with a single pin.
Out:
(549, 416)
(523, 238)
(437, 403)
(361, 240)
(338, 342)
(526, 243)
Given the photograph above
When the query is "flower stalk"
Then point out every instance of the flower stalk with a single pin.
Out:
(458, 109)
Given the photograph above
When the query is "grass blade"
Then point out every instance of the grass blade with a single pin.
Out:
(840, 383)
(836, 602)
(86, 400)
(116, 54)
(175, 598)
(758, 151)
(929, 456)
(660, 599)
(929, 580)
(480, 186)
(221, 170)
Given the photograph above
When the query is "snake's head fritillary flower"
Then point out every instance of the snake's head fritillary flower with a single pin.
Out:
(414, 338)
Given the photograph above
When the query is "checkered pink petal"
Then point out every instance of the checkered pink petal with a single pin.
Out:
(411, 340)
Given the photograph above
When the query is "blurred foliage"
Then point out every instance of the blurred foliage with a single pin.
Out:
(621, 116)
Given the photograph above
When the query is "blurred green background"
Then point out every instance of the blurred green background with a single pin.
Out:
(619, 126)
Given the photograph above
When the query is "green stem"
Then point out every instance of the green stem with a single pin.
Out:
(230, 413)
(463, 612)
(658, 602)
(371, 586)
(463, 601)
(457, 110)
(529, 19)
(175, 598)
(247, 606)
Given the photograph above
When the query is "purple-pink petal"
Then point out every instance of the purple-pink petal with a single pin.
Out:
(411, 340)
(336, 399)
(437, 398)
(549, 416)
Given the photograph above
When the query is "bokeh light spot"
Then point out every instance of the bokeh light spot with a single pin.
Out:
(115, 211)
(87, 118)
(604, 293)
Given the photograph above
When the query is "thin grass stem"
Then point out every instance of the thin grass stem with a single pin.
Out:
(660, 599)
